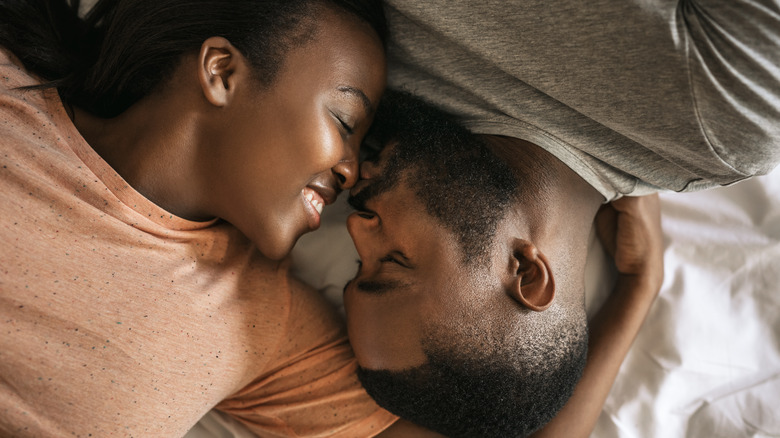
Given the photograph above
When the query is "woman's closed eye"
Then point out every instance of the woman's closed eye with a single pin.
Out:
(349, 129)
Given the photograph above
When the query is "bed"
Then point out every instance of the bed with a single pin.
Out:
(707, 360)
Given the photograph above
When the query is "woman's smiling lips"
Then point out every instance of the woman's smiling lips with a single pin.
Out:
(316, 197)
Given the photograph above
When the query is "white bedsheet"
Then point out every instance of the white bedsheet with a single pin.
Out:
(707, 361)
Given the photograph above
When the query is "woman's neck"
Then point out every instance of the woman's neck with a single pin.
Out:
(151, 145)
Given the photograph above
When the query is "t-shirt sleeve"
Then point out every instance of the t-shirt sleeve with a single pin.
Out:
(634, 96)
(734, 61)
(311, 389)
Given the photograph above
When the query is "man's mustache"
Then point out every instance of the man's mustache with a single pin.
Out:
(359, 200)
(375, 187)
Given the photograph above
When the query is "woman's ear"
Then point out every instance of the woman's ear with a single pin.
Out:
(532, 283)
(218, 65)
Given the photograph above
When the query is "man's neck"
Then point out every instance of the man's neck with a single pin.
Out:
(556, 206)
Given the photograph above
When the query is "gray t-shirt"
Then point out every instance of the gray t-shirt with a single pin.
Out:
(634, 95)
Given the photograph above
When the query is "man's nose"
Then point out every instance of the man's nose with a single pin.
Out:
(360, 225)
(364, 230)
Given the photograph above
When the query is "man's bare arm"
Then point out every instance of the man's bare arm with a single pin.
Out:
(630, 229)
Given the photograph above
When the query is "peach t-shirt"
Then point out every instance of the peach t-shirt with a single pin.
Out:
(118, 318)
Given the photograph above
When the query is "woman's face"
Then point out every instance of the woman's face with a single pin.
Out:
(287, 150)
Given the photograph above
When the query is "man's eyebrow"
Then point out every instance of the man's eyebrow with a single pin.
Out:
(361, 95)
(380, 287)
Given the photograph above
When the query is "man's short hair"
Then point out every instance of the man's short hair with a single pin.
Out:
(444, 161)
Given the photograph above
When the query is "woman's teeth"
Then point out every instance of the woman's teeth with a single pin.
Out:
(317, 204)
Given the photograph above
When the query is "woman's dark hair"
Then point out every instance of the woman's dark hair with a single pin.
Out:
(122, 49)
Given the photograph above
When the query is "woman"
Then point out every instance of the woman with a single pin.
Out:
(156, 158)
(210, 127)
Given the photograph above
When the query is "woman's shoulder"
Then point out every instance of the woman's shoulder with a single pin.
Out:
(13, 74)
(6, 57)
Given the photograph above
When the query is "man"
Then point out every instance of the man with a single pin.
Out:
(470, 288)
(467, 312)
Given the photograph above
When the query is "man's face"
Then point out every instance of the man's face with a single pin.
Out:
(407, 259)
(412, 276)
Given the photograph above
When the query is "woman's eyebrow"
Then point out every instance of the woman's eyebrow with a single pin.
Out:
(359, 94)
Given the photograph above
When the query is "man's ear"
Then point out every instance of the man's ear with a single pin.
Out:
(218, 65)
(532, 283)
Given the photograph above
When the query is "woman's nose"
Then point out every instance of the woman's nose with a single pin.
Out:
(346, 173)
